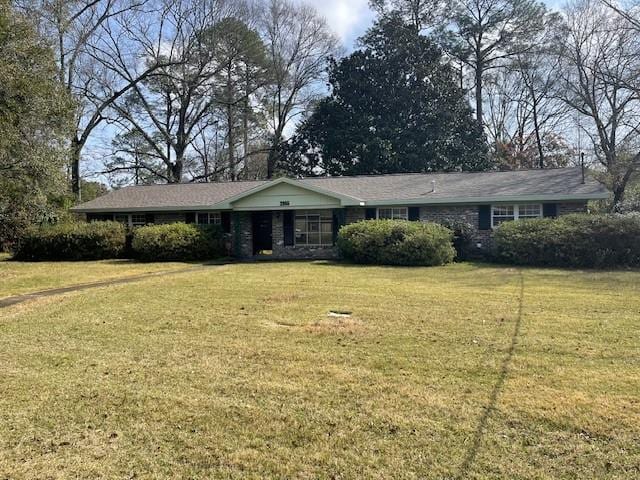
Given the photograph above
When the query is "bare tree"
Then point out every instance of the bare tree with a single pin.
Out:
(175, 105)
(77, 31)
(299, 44)
(599, 67)
(524, 115)
(487, 34)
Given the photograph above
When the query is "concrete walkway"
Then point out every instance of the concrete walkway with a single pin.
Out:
(16, 299)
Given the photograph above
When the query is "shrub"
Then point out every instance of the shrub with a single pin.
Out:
(462, 237)
(579, 240)
(395, 242)
(72, 241)
(177, 241)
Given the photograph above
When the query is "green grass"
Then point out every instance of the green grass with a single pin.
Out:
(466, 371)
(25, 277)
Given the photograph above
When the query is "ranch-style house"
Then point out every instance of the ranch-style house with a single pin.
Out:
(300, 218)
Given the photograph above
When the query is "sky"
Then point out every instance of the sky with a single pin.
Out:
(349, 19)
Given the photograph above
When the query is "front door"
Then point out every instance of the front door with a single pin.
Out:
(261, 229)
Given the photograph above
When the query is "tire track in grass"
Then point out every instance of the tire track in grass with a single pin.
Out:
(52, 292)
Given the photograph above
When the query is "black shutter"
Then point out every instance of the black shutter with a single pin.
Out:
(484, 217)
(190, 217)
(550, 210)
(149, 218)
(225, 220)
(414, 214)
(338, 222)
(370, 213)
(287, 227)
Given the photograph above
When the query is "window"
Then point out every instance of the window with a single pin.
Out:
(138, 219)
(314, 228)
(395, 213)
(507, 213)
(209, 218)
(122, 218)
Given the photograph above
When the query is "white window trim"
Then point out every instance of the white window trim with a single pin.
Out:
(516, 211)
(218, 213)
(406, 212)
(129, 219)
(307, 214)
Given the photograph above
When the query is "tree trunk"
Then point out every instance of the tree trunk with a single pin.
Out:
(478, 80)
(271, 161)
(76, 151)
(536, 128)
(618, 196)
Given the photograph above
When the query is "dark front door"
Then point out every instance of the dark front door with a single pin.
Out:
(261, 229)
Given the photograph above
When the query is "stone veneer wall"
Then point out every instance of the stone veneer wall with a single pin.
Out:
(241, 235)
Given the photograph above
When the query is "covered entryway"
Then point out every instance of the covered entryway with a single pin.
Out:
(261, 229)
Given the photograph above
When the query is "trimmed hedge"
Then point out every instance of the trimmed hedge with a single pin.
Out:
(578, 240)
(396, 242)
(177, 241)
(72, 241)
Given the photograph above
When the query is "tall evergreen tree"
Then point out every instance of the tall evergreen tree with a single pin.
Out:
(395, 106)
(35, 118)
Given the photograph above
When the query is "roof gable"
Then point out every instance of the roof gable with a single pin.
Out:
(286, 193)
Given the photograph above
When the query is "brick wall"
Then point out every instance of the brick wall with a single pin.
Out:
(241, 237)
(241, 240)
(171, 217)
(575, 207)
(292, 251)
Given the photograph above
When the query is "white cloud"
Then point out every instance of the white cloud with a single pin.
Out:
(347, 18)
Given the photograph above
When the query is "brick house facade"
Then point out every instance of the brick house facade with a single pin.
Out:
(295, 219)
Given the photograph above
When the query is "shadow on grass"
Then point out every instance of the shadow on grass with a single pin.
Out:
(490, 408)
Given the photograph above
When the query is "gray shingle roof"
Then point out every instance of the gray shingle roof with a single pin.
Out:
(165, 197)
(465, 185)
(549, 184)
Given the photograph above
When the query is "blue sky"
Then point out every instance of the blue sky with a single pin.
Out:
(349, 19)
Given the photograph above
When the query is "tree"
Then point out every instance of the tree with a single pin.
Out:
(299, 45)
(599, 66)
(133, 161)
(420, 14)
(486, 34)
(523, 114)
(94, 64)
(35, 117)
(243, 70)
(394, 107)
(216, 63)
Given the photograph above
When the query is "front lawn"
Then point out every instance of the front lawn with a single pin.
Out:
(25, 277)
(465, 371)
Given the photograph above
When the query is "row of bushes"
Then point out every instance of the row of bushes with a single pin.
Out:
(590, 241)
(106, 240)
(575, 241)
(593, 241)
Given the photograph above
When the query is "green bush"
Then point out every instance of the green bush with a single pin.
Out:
(72, 241)
(579, 240)
(177, 241)
(462, 237)
(395, 242)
